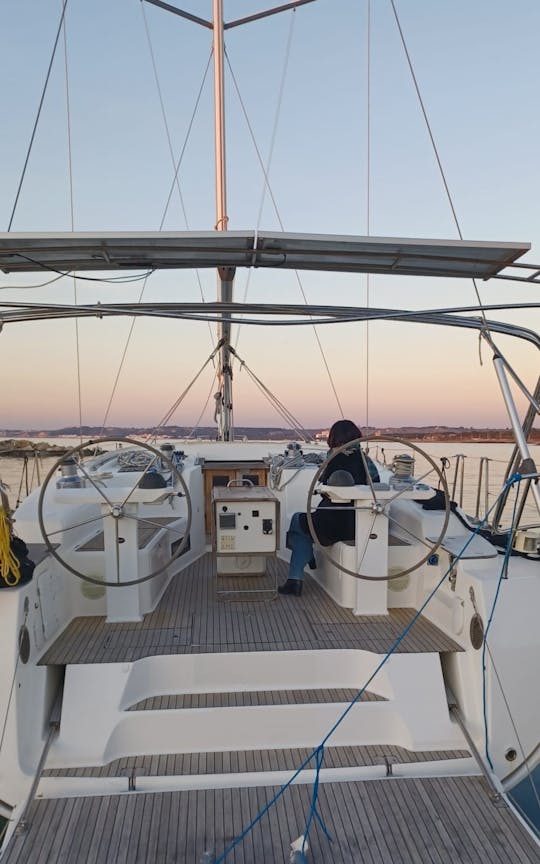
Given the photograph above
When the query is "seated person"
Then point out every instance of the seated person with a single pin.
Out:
(332, 521)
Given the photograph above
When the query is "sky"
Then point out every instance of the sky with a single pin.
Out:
(301, 79)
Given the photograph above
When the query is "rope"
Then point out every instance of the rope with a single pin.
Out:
(340, 719)
(313, 812)
(10, 570)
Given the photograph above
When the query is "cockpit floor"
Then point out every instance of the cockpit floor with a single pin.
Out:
(192, 618)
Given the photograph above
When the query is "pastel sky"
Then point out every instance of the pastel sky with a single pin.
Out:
(478, 68)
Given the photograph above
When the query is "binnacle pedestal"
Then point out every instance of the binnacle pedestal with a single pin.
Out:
(368, 555)
(245, 529)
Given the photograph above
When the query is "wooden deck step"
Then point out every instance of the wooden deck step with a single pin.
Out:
(252, 701)
(420, 821)
(253, 697)
(256, 760)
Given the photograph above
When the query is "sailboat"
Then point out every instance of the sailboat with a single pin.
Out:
(161, 701)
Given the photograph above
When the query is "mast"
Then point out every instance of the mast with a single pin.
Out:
(225, 275)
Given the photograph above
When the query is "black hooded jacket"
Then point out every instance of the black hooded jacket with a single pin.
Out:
(335, 521)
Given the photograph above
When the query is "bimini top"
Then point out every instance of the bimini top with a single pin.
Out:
(67, 252)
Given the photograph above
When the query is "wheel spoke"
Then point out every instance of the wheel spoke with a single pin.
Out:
(409, 532)
(368, 475)
(76, 525)
(94, 484)
(408, 489)
(137, 484)
(145, 521)
(117, 551)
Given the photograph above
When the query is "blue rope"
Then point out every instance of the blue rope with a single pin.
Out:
(316, 754)
(516, 478)
(313, 812)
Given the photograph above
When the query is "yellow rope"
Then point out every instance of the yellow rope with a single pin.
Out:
(10, 570)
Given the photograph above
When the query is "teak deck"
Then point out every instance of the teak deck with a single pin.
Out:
(190, 619)
(427, 821)
(383, 821)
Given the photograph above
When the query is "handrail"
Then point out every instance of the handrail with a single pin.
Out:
(458, 477)
(483, 469)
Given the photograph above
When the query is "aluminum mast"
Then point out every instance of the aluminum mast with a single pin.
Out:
(223, 414)
(225, 274)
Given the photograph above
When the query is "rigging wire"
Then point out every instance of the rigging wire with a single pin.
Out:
(266, 173)
(167, 416)
(173, 186)
(270, 192)
(277, 114)
(34, 130)
(72, 221)
(368, 187)
(188, 134)
(432, 139)
(176, 182)
(274, 401)
(279, 407)
(503, 575)
(14, 678)
(530, 777)
(199, 418)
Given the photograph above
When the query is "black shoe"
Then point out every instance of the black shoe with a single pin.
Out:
(291, 586)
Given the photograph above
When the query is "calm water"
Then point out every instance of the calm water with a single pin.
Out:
(22, 477)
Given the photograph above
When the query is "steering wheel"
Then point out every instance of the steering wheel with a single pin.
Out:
(381, 506)
(141, 457)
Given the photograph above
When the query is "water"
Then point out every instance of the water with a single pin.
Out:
(526, 797)
(472, 456)
(21, 478)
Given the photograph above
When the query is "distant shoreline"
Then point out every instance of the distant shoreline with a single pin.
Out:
(31, 440)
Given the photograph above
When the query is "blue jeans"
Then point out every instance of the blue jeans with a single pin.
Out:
(301, 546)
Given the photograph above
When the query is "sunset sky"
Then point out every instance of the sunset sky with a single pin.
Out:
(478, 69)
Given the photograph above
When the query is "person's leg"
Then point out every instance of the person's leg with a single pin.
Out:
(301, 546)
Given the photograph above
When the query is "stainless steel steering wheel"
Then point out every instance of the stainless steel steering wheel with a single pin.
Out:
(112, 502)
(382, 507)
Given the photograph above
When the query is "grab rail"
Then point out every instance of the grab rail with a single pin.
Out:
(483, 469)
(459, 472)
